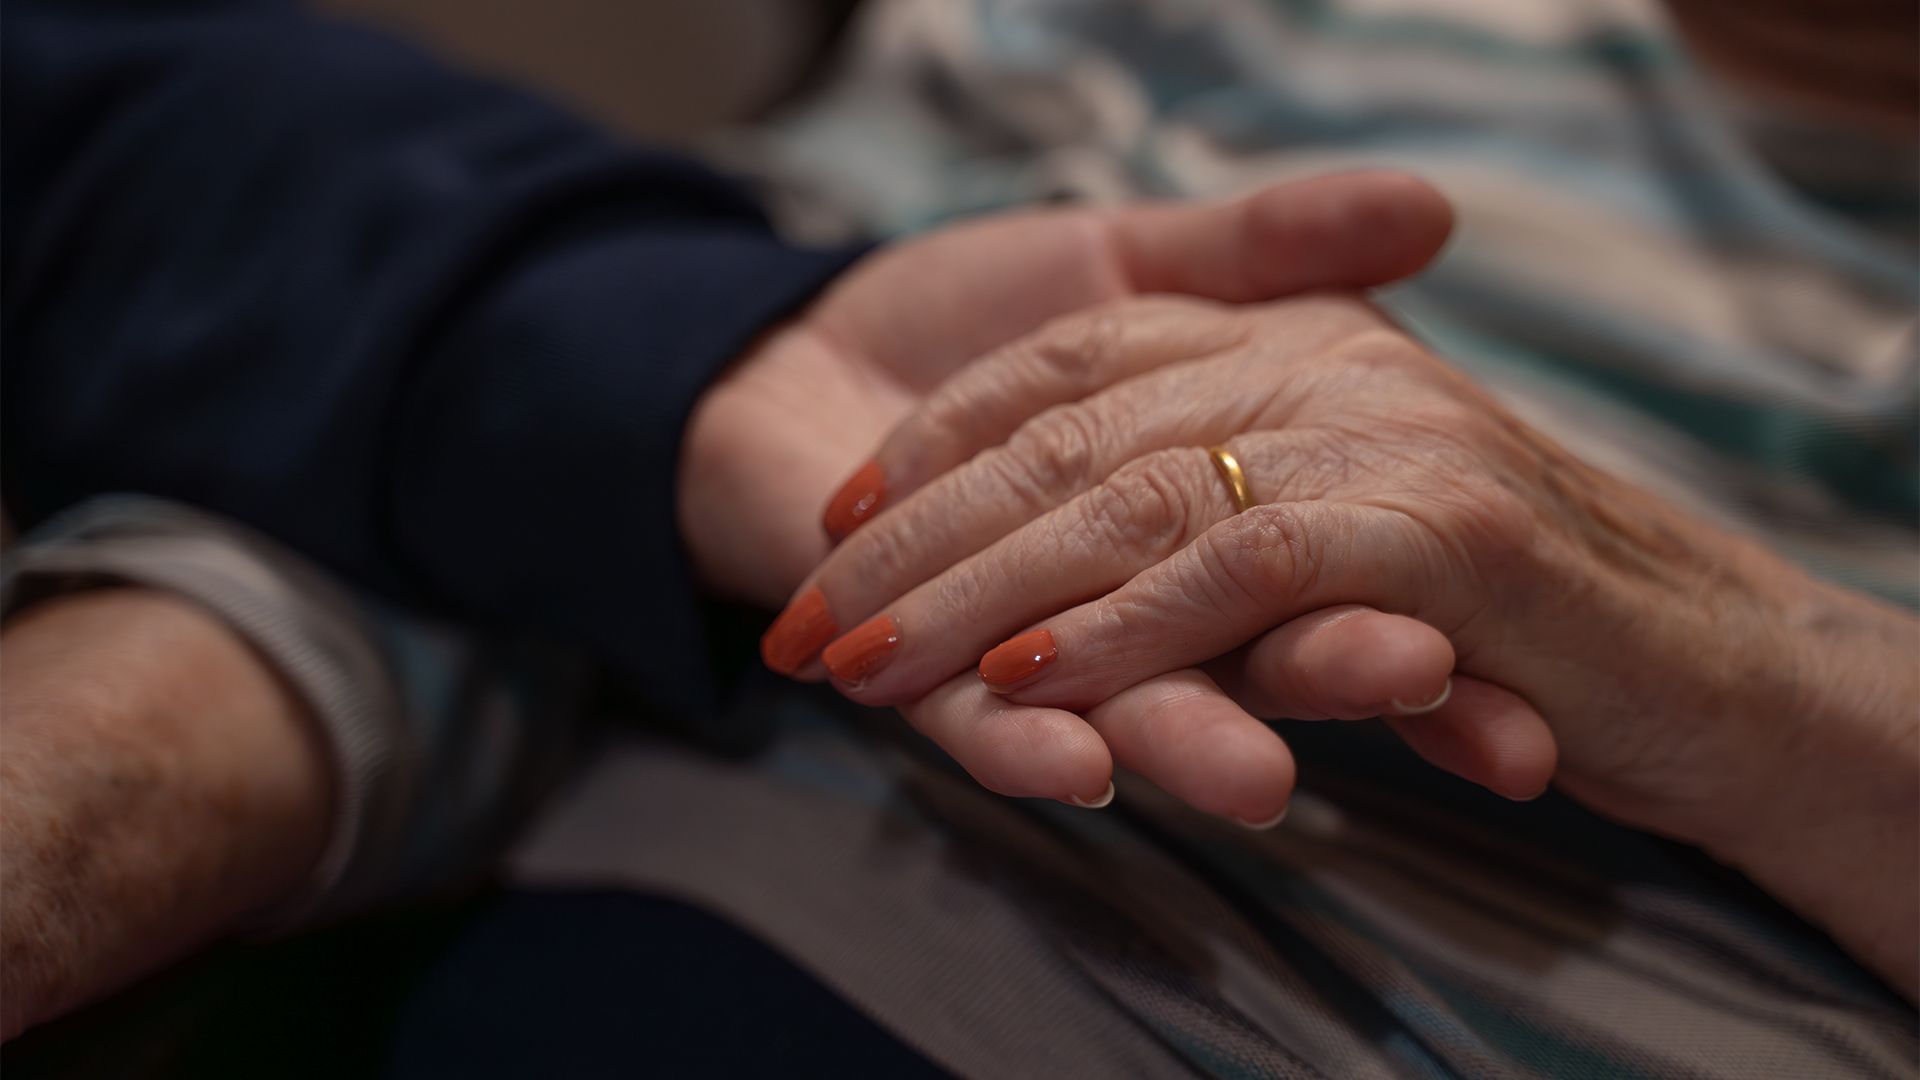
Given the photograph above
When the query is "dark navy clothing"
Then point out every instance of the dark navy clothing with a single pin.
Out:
(428, 329)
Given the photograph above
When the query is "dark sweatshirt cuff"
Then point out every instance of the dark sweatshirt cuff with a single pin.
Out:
(534, 472)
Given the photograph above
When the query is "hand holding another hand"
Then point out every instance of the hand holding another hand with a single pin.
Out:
(1042, 512)
(768, 443)
(1060, 579)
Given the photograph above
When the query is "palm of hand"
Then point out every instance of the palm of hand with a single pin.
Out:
(783, 429)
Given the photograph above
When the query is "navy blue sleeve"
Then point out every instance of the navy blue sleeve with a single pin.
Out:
(429, 330)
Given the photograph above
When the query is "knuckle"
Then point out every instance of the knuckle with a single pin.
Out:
(1086, 349)
(1145, 507)
(968, 591)
(1053, 454)
(1379, 348)
(1471, 474)
(1265, 556)
(948, 414)
(1078, 347)
(1477, 527)
(885, 550)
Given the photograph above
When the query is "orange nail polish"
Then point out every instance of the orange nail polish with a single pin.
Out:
(798, 633)
(864, 650)
(859, 500)
(1016, 660)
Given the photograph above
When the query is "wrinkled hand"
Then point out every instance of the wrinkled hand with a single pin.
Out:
(1055, 470)
(1688, 681)
(769, 442)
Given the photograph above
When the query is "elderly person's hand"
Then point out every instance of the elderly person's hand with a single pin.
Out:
(1055, 518)
(768, 443)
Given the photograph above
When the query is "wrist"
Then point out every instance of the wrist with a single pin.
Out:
(760, 454)
(1831, 825)
(161, 785)
(1838, 700)
(1769, 719)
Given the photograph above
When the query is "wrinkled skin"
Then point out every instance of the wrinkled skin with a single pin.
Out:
(767, 444)
(1686, 680)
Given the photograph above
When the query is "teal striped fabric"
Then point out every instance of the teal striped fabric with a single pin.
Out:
(1631, 267)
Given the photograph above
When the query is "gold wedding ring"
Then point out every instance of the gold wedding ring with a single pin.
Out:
(1229, 469)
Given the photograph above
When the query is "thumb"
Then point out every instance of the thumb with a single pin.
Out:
(1346, 230)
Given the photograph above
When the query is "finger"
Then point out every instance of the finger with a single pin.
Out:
(1182, 733)
(1270, 564)
(1016, 750)
(1135, 518)
(999, 405)
(1485, 734)
(1347, 662)
(983, 403)
(1344, 231)
(1126, 542)
(1051, 459)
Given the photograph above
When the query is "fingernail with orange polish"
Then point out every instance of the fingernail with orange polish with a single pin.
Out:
(798, 633)
(856, 502)
(863, 651)
(1018, 659)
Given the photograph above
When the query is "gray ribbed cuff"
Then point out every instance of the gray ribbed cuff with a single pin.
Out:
(306, 626)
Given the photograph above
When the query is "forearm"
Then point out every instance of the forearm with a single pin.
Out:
(1834, 833)
(185, 792)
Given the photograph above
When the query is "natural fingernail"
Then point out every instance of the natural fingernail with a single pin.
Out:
(1093, 804)
(798, 633)
(858, 500)
(1018, 659)
(863, 650)
(1401, 708)
(1270, 823)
